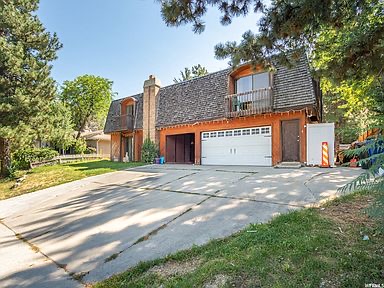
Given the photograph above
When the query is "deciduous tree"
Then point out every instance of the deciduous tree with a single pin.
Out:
(88, 97)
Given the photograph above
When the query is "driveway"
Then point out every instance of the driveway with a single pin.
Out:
(87, 230)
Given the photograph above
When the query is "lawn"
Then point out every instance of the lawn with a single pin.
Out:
(48, 176)
(315, 247)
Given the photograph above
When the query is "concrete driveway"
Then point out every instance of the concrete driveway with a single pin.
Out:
(87, 230)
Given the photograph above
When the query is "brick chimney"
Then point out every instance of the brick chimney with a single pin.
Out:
(151, 89)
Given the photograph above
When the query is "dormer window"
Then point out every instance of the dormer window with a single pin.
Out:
(252, 82)
(130, 109)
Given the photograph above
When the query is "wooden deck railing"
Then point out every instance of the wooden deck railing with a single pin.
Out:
(124, 122)
(249, 103)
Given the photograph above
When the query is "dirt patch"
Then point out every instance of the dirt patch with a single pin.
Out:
(245, 281)
(218, 281)
(350, 212)
(173, 268)
(329, 283)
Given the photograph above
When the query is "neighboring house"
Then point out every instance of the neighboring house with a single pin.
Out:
(98, 140)
(41, 144)
(240, 117)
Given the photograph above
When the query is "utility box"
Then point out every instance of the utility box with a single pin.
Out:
(316, 135)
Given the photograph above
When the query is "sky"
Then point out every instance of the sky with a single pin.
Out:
(127, 40)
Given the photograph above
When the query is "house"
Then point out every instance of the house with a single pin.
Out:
(231, 117)
(99, 141)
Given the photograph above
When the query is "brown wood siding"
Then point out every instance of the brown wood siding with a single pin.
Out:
(115, 147)
(138, 142)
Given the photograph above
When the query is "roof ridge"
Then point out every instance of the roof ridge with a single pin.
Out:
(123, 98)
(196, 78)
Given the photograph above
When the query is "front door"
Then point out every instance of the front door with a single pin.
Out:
(290, 140)
(129, 148)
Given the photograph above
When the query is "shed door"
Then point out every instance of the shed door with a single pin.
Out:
(248, 146)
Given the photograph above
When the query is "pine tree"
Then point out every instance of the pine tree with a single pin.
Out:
(188, 74)
(354, 32)
(26, 88)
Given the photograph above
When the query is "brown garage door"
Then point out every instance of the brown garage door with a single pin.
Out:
(180, 148)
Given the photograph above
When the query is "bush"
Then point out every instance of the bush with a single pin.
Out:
(373, 179)
(90, 150)
(149, 151)
(79, 146)
(23, 158)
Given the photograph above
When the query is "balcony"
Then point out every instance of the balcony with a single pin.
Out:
(124, 122)
(249, 103)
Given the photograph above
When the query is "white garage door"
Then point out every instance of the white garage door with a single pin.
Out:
(249, 146)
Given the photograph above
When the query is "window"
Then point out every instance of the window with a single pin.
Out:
(228, 133)
(243, 84)
(237, 133)
(130, 109)
(265, 130)
(220, 134)
(213, 134)
(205, 135)
(260, 81)
(246, 132)
(252, 82)
(255, 131)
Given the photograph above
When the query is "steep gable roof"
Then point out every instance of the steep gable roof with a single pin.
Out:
(203, 98)
(293, 87)
(193, 100)
(113, 123)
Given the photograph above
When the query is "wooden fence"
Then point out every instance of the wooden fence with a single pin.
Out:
(69, 158)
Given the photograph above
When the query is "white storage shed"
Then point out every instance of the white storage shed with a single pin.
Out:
(316, 135)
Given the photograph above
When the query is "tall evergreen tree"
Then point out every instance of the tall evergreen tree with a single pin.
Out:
(354, 31)
(26, 88)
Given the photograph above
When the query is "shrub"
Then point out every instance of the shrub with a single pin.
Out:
(372, 157)
(23, 158)
(90, 150)
(149, 151)
(79, 146)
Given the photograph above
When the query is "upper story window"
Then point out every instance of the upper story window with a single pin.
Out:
(130, 110)
(252, 82)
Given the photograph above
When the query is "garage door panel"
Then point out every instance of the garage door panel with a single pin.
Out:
(248, 146)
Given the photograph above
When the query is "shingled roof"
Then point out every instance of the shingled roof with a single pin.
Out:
(193, 100)
(113, 123)
(202, 98)
(293, 87)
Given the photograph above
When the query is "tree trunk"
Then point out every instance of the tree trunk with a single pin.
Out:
(81, 128)
(5, 156)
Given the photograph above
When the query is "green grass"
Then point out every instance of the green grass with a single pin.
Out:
(307, 248)
(48, 176)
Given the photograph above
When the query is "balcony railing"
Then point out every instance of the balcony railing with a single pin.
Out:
(124, 122)
(249, 103)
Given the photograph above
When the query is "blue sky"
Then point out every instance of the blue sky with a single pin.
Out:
(126, 41)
